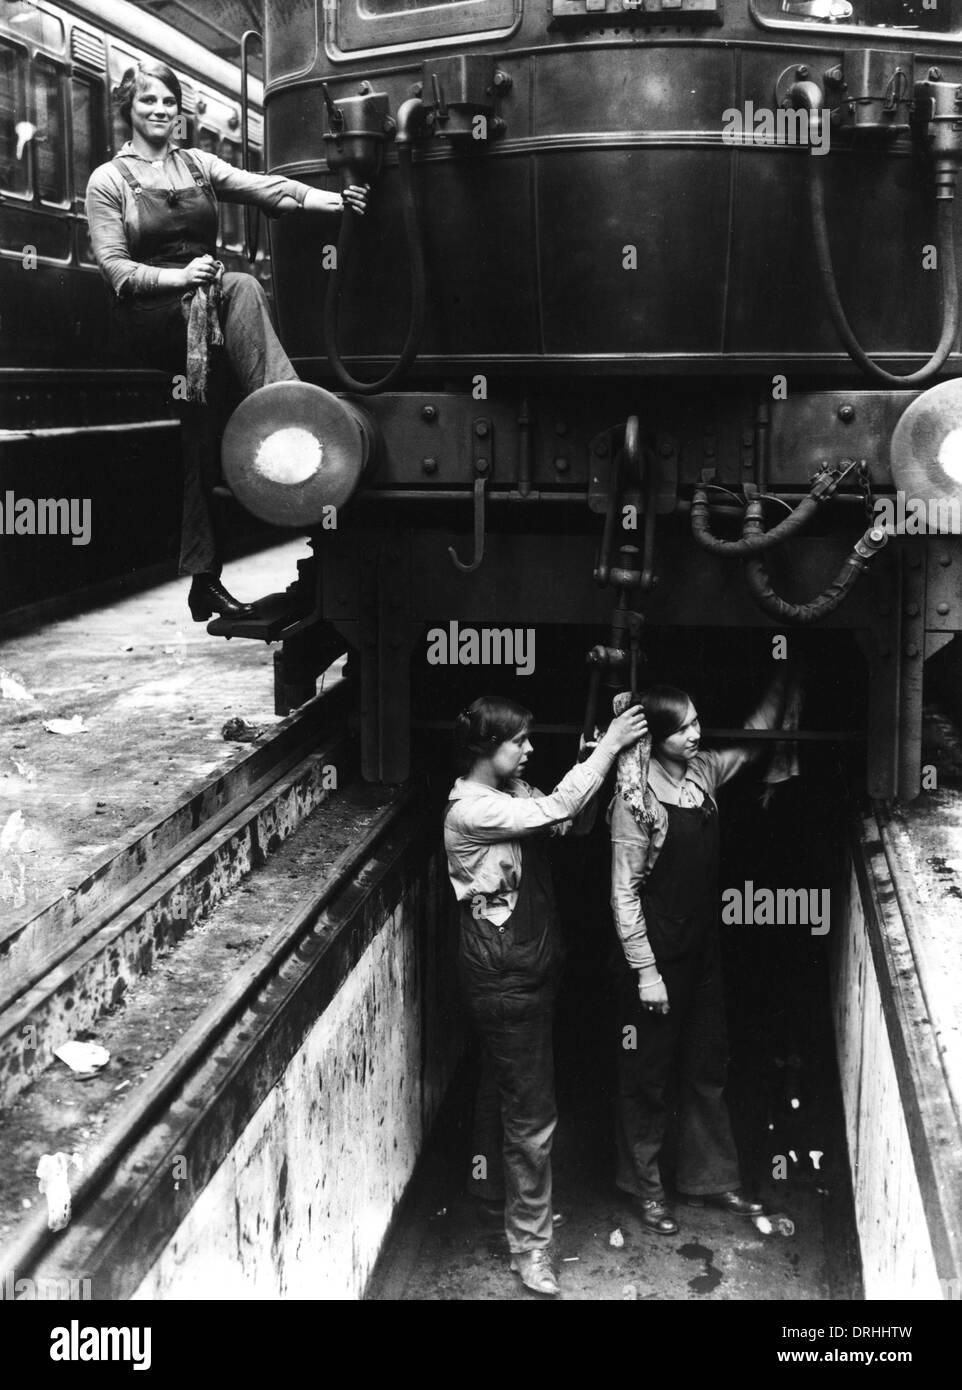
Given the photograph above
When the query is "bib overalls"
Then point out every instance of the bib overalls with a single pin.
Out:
(689, 1044)
(173, 227)
(509, 980)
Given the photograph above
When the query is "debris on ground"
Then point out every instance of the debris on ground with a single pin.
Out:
(616, 1238)
(75, 725)
(239, 731)
(85, 1058)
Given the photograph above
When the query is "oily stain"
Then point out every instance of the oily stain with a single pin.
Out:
(710, 1277)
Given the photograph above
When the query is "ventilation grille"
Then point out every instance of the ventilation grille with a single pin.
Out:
(88, 49)
(189, 102)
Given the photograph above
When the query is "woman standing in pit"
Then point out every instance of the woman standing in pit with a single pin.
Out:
(153, 215)
(511, 951)
(664, 895)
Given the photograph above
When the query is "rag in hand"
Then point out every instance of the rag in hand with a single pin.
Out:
(631, 778)
(202, 312)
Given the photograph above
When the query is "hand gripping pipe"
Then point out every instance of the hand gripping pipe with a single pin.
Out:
(754, 537)
(415, 241)
(760, 585)
(808, 96)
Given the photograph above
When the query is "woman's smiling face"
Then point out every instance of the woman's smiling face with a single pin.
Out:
(152, 110)
(683, 743)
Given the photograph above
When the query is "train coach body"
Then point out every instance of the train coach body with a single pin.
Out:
(617, 209)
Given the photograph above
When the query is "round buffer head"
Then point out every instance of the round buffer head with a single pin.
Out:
(290, 450)
(927, 459)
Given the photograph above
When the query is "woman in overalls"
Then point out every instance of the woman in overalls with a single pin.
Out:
(153, 215)
(511, 953)
(664, 895)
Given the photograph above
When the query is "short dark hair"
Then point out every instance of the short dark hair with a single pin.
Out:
(665, 708)
(134, 77)
(488, 722)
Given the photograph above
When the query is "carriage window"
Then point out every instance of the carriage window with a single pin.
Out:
(87, 107)
(926, 16)
(48, 142)
(14, 174)
(208, 141)
(363, 24)
(28, 22)
(231, 214)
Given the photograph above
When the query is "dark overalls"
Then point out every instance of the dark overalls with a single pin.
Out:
(174, 226)
(689, 1044)
(509, 979)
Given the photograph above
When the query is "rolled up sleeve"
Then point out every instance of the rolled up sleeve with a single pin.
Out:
(108, 237)
(265, 191)
(487, 819)
(629, 868)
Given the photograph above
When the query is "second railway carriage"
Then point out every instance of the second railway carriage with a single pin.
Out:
(70, 407)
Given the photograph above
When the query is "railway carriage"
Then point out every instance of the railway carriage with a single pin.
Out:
(67, 398)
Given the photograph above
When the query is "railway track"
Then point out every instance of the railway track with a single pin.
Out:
(65, 970)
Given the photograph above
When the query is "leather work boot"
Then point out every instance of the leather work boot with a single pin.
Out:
(735, 1203)
(655, 1213)
(536, 1272)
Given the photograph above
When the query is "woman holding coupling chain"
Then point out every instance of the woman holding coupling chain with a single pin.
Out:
(511, 951)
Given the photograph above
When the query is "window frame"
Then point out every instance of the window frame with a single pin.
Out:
(346, 32)
(921, 38)
(23, 53)
(40, 62)
(98, 154)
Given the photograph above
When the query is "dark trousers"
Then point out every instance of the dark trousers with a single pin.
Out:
(154, 332)
(681, 1056)
(515, 1118)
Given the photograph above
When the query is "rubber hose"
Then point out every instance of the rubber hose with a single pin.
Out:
(412, 230)
(947, 273)
(828, 600)
(753, 543)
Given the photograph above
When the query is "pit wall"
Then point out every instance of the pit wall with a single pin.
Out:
(302, 1203)
(881, 1091)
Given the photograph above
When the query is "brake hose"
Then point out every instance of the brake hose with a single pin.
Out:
(760, 584)
(754, 537)
(412, 342)
(946, 266)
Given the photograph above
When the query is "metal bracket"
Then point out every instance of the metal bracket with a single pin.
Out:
(482, 440)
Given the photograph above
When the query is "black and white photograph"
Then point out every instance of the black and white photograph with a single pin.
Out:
(481, 664)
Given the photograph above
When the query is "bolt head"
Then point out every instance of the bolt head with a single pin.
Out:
(481, 429)
(846, 413)
(935, 74)
(801, 73)
(561, 465)
(942, 608)
(429, 466)
(429, 412)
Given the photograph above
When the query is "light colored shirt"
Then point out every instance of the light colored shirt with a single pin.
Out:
(635, 848)
(113, 215)
(484, 827)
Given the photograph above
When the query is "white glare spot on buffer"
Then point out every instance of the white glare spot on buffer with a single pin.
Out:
(290, 456)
